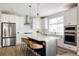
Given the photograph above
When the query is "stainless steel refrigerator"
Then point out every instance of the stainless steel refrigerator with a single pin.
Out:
(8, 34)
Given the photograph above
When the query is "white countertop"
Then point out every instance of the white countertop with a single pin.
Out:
(39, 37)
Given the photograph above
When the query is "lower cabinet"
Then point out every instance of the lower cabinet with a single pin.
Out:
(60, 42)
(70, 47)
(18, 39)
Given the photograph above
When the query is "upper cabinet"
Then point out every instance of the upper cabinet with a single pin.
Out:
(8, 18)
(70, 17)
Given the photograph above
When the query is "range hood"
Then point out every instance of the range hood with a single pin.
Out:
(28, 20)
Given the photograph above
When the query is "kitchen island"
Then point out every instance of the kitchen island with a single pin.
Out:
(48, 42)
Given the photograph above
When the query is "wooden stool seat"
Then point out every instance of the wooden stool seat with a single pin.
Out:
(35, 45)
(32, 44)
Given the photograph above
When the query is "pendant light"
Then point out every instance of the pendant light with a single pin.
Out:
(28, 20)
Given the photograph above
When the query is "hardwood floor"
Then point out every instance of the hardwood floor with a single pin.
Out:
(65, 52)
(20, 50)
(15, 51)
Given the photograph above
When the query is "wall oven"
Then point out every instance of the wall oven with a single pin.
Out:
(70, 35)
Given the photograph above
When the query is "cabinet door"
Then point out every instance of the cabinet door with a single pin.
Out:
(73, 16)
(12, 18)
(4, 18)
(66, 18)
(18, 39)
(7, 18)
(70, 17)
(70, 47)
(60, 42)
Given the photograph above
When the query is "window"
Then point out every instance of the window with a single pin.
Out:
(53, 21)
(56, 25)
(53, 28)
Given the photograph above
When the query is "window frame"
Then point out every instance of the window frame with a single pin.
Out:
(56, 24)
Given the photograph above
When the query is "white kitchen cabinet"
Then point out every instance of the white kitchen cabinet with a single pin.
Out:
(12, 18)
(18, 39)
(60, 42)
(70, 47)
(4, 18)
(70, 17)
(8, 18)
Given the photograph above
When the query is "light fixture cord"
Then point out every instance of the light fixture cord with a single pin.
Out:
(38, 9)
(30, 10)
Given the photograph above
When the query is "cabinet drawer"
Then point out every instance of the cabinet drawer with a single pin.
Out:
(70, 47)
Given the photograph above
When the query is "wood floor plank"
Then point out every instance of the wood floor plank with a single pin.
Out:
(13, 51)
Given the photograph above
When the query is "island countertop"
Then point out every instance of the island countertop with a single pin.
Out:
(39, 37)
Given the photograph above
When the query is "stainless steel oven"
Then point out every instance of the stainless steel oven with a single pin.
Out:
(70, 35)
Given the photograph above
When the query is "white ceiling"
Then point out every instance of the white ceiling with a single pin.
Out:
(44, 8)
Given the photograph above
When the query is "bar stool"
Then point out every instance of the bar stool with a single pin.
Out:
(25, 45)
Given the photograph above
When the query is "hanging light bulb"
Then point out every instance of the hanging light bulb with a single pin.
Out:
(30, 10)
(29, 6)
(30, 16)
(37, 9)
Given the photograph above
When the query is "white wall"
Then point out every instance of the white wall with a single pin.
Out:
(21, 28)
(36, 23)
